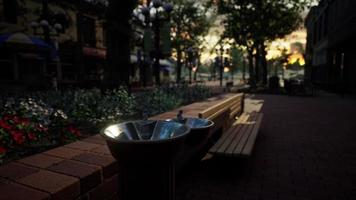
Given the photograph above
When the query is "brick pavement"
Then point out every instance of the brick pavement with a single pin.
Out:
(306, 149)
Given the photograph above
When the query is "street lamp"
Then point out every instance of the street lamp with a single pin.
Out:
(153, 15)
(190, 59)
(222, 49)
(48, 29)
(51, 26)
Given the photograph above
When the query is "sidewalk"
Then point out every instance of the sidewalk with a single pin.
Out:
(306, 149)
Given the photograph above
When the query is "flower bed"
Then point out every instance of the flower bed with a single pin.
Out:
(33, 122)
(27, 127)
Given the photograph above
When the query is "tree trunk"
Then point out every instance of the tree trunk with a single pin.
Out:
(244, 69)
(179, 57)
(257, 63)
(250, 67)
(156, 64)
(197, 69)
(117, 71)
(264, 63)
(179, 64)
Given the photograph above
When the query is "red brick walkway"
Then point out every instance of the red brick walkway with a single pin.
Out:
(306, 149)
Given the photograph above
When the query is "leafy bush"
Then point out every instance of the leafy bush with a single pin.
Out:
(50, 118)
(166, 98)
(113, 106)
(26, 125)
(156, 101)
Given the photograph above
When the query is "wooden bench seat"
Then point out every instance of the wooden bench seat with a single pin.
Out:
(240, 138)
(237, 130)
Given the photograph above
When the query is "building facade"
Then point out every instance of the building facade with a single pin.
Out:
(331, 42)
(74, 54)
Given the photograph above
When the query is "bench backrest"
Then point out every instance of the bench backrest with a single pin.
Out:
(237, 106)
(233, 104)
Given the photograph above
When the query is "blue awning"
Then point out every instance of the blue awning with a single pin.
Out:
(22, 38)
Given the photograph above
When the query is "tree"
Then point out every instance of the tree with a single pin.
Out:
(254, 23)
(189, 23)
(237, 60)
(118, 28)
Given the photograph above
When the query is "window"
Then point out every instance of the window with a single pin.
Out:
(10, 11)
(104, 36)
(326, 22)
(87, 30)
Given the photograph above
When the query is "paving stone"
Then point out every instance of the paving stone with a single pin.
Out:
(304, 145)
(96, 139)
(106, 190)
(40, 160)
(15, 191)
(90, 176)
(63, 152)
(60, 186)
(16, 171)
(102, 150)
(84, 146)
(108, 163)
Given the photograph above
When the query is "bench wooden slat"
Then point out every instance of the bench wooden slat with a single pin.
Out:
(227, 137)
(220, 122)
(245, 135)
(247, 150)
(210, 111)
(226, 141)
(236, 106)
(217, 114)
(232, 142)
(235, 112)
(241, 137)
(233, 131)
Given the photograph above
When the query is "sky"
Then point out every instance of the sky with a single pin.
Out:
(274, 48)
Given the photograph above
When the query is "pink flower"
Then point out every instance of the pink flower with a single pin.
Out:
(16, 119)
(74, 131)
(18, 137)
(40, 128)
(25, 122)
(3, 150)
(5, 125)
(7, 117)
(31, 136)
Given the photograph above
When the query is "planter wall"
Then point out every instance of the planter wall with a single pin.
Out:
(80, 170)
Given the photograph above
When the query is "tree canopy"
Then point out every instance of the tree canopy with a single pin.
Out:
(189, 23)
(253, 23)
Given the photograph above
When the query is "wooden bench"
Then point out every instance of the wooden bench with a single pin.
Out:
(223, 113)
(238, 130)
(240, 138)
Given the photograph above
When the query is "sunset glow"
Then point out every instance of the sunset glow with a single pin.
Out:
(276, 47)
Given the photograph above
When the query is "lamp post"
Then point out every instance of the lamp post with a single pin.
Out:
(222, 49)
(153, 15)
(220, 52)
(50, 26)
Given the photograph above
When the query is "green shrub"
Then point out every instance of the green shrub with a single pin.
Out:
(31, 121)
(156, 101)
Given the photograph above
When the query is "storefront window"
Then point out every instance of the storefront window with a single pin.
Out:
(10, 11)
